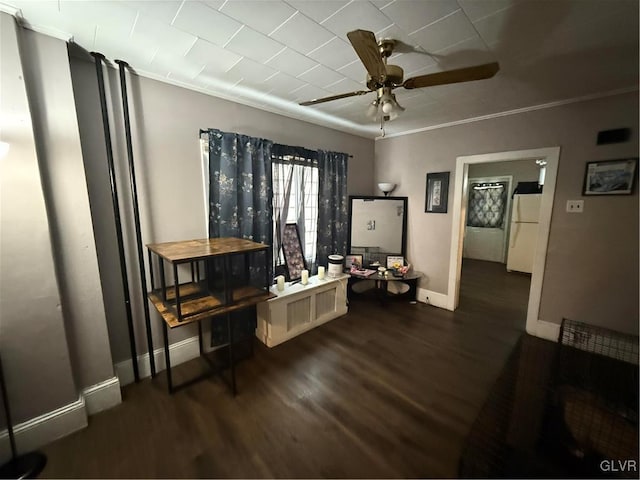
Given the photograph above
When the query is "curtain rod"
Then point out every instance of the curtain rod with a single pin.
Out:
(207, 132)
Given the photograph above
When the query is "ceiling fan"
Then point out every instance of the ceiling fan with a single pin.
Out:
(383, 78)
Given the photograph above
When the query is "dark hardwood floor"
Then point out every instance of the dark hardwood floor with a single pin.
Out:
(380, 392)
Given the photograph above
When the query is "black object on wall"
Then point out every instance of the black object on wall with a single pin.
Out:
(99, 58)
(122, 65)
(616, 135)
(28, 465)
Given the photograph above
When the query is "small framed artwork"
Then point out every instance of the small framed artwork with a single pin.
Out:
(353, 261)
(395, 261)
(437, 192)
(292, 252)
(610, 177)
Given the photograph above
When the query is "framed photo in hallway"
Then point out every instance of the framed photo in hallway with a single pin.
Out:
(610, 177)
(437, 195)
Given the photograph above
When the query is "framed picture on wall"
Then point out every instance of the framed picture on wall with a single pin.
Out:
(437, 194)
(610, 177)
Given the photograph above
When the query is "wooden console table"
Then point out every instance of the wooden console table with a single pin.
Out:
(220, 283)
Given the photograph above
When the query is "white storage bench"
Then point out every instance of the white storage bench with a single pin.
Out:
(299, 308)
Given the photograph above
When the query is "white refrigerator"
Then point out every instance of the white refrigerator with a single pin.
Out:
(523, 236)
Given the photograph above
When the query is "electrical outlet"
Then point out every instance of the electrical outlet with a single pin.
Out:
(575, 206)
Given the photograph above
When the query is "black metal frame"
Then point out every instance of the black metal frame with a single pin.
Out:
(405, 201)
(136, 213)
(99, 58)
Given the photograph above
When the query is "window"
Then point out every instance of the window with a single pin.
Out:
(295, 200)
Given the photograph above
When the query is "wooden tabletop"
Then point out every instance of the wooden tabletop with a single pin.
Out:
(188, 250)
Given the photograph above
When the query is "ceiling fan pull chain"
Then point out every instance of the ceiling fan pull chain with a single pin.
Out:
(382, 124)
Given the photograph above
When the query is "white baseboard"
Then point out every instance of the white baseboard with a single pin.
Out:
(546, 330)
(42, 430)
(436, 299)
(102, 396)
(180, 352)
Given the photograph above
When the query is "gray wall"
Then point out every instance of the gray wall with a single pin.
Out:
(592, 261)
(166, 121)
(55, 124)
(33, 344)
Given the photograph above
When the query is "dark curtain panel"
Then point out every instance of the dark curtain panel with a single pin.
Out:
(333, 207)
(240, 190)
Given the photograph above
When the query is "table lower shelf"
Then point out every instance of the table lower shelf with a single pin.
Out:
(199, 305)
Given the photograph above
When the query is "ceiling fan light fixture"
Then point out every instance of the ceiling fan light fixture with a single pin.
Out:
(372, 110)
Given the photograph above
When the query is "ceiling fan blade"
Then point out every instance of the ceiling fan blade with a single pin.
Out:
(467, 74)
(334, 97)
(365, 45)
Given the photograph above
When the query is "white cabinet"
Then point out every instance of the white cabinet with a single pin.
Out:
(300, 308)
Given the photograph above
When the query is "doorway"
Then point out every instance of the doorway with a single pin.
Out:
(487, 218)
(460, 198)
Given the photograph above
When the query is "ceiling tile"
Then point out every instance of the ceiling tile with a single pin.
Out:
(282, 83)
(477, 9)
(411, 62)
(309, 92)
(453, 29)
(212, 55)
(179, 67)
(44, 14)
(250, 72)
(334, 54)
(291, 62)
(261, 15)
(344, 86)
(116, 18)
(355, 71)
(317, 10)
(357, 15)
(302, 34)
(114, 46)
(164, 11)
(254, 45)
(148, 30)
(215, 4)
(464, 54)
(321, 76)
(411, 16)
(205, 22)
(381, 3)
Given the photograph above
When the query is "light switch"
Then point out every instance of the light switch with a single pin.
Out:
(575, 206)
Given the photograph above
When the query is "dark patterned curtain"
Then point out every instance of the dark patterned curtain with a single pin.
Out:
(240, 187)
(333, 208)
(487, 202)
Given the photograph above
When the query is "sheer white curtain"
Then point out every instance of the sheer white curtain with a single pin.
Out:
(295, 200)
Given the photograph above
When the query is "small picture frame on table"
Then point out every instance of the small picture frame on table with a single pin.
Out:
(610, 177)
(395, 261)
(353, 261)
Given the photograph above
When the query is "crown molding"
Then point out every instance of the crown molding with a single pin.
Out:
(516, 111)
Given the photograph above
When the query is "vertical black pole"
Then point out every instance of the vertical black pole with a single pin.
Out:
(99, 58)
(136, 213)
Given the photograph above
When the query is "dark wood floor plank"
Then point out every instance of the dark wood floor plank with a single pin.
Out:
(383, 392)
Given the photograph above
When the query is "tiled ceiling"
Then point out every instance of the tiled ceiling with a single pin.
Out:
(272, 54)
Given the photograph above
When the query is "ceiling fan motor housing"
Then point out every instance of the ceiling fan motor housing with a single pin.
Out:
(393, 78)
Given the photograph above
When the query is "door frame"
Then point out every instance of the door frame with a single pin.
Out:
(552, 156)
(507, 213)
